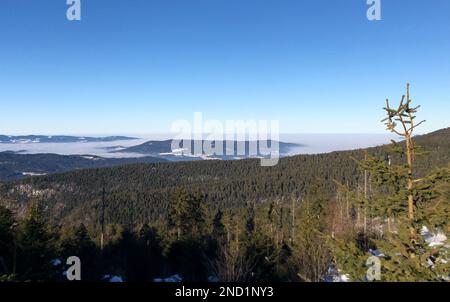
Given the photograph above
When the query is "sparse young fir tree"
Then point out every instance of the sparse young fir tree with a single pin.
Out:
(310, 254)
(405, 206)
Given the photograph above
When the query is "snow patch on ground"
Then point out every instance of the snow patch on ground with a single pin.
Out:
(175, 152)
(112, 278)
(433, 239)
(377, 253)
(90, 157)
(174, 278)
(33, 174)
(213, 279)
(335, 275)
(55, 262)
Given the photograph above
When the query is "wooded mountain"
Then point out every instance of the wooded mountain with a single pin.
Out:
(140, 193)
(229, 149)
(16, 166)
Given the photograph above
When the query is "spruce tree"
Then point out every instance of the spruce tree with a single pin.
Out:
(7, 246)
(36, 247)
(406, 203)
(187, 214)
(75, 241)
(218, 231)
(310, 254)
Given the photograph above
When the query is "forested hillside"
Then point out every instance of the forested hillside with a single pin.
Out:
(15, 166)
(140, 193)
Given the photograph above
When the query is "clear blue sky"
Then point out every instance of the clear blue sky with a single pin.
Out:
(134, 66)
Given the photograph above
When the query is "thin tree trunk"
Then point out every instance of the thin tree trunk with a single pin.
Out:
(365, 201)
(410, 179)
(293, 219)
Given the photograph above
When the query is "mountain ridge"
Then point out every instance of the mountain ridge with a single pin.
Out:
(36, 139)
(164, 148)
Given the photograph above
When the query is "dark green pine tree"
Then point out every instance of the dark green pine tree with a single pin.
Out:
(310, 255)
(219, 232)
(187, 214)
(7, 224)
(149, 254)
(75, 241)
(250, 222)
(36, 247)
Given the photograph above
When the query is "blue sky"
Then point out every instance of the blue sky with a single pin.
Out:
(135, 66)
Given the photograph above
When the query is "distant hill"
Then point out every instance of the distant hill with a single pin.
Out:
(35, 139)
(231, 149)
(439, 138)
(16, 166)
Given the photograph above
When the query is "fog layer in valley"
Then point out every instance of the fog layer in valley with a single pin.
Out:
(311, 144)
